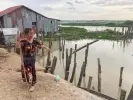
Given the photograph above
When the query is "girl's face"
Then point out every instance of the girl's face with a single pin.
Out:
(30, 35)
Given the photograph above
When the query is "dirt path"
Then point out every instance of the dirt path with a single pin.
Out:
(12, 87)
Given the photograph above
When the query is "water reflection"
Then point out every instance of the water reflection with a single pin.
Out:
(121, 43)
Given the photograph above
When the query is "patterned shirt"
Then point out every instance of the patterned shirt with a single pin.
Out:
(29, 51)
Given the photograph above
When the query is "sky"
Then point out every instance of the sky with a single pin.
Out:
(77, 9)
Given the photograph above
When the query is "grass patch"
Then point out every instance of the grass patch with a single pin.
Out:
(75, 33)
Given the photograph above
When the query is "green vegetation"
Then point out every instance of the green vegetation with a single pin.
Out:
(74, 33)
(54, 38)
(111, 24)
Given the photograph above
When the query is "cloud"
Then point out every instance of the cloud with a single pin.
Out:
(77, 9)
(99, 2)
(69, 3)
(129, 8)
(77, 1)
(47, 8)
(71, 8)
(113, 2)
(6, 3)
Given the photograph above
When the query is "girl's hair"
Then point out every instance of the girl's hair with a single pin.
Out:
(22, 35)
(27, 30)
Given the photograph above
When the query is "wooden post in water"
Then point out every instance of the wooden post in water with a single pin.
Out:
(68, 65)
(86, 56)
(70, 56)
(63, 55)
(123, 95)
(99, 76)
(53, 65)
(74, 68)
(89, 83)
(130, 96)
(115, 29)
(59, 43)
(60, 48)
(63, 48)
(120, 83)
(81, 75)
(123, 30)
(73, 73)
(48, 58)
(43, 62)
(64, 42)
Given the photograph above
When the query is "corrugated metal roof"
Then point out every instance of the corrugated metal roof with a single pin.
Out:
(8, 10)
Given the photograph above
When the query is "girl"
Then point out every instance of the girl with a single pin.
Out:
(28, 54)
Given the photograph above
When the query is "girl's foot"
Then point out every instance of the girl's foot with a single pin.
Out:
(24, 80)
(32, 89)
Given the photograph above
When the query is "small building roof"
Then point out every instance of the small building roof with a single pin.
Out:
(54, 19)
(8, 10)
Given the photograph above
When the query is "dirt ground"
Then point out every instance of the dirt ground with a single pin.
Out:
(13, 88)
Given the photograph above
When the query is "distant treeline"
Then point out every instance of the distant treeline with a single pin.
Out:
(111, 24)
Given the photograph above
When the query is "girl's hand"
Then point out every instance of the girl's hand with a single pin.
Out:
(45, 47)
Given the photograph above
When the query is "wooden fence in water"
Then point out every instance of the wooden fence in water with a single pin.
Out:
(69, 53)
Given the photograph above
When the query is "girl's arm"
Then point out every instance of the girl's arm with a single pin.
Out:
(43, 46)
(40, 45)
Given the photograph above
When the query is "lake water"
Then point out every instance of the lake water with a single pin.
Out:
(113, 55)
(97, 28)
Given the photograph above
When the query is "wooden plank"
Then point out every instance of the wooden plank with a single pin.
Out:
(89, 83)
(130, 96)
(84, 46)
(53, 65)
(81, 74)
(99, 75)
